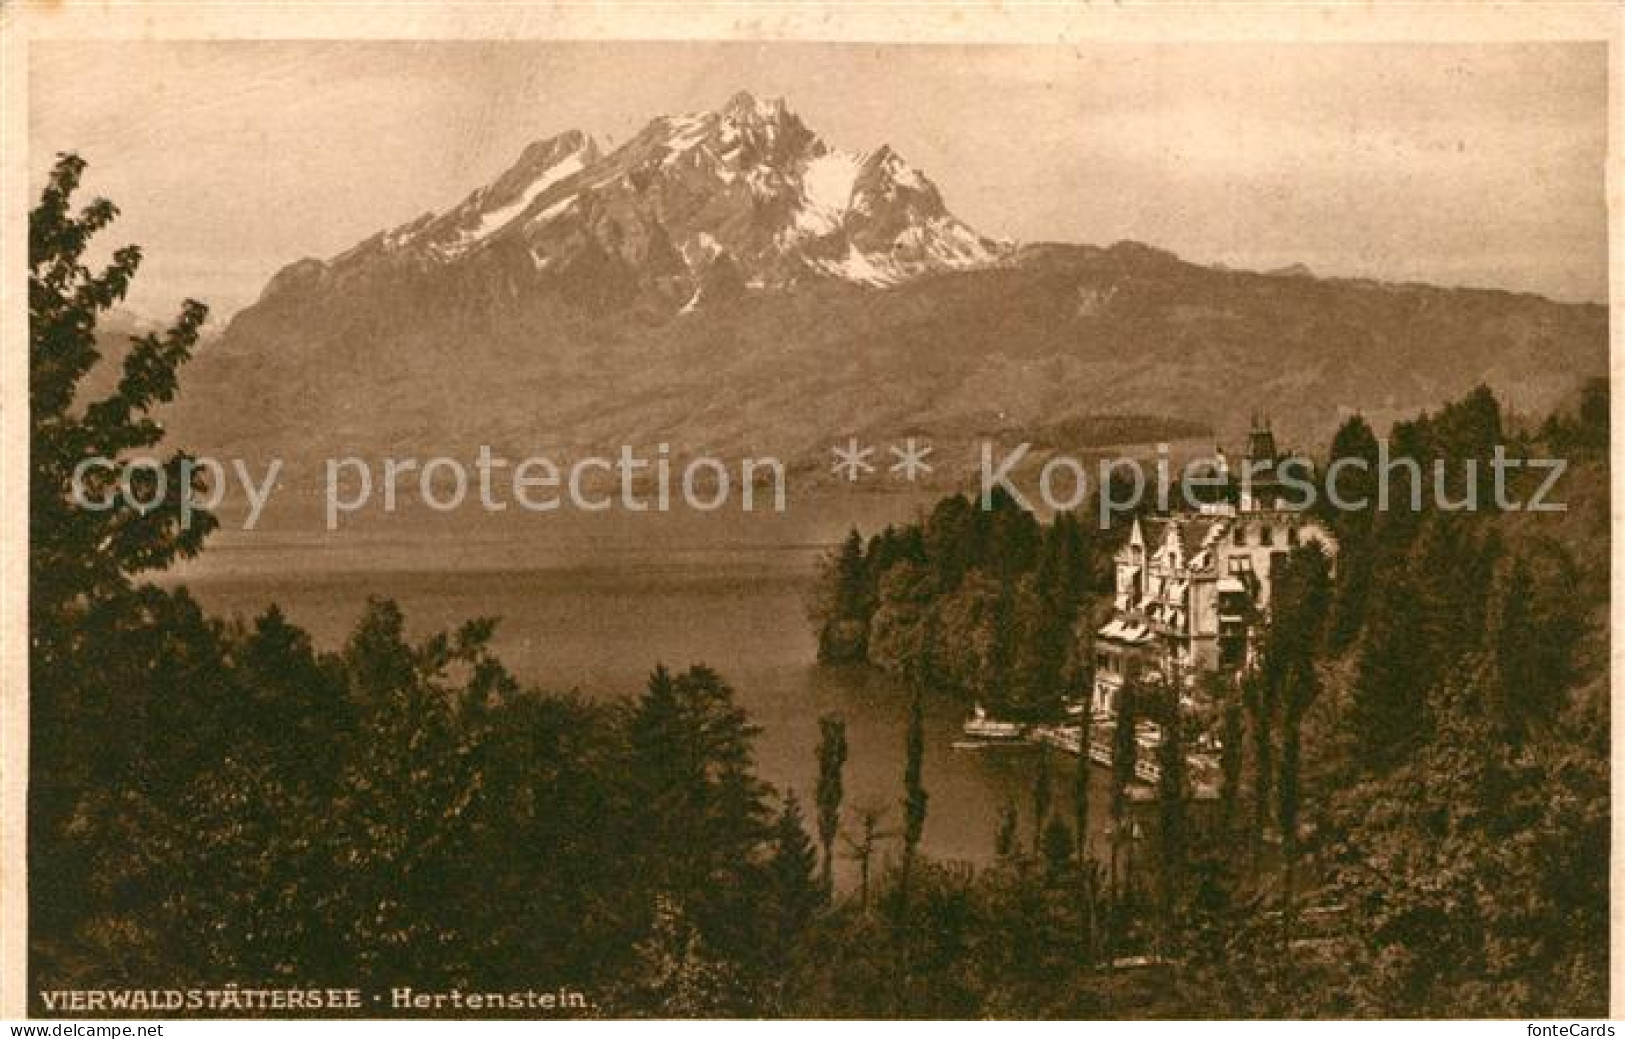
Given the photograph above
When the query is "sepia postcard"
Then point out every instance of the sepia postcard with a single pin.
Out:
(807, 511)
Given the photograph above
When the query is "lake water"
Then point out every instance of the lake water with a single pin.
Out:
(595, 602)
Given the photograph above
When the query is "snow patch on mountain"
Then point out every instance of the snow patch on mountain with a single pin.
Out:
(546, 216)
(687, 132)
(494, 220)
(826, 186)
(863, 268)
(948, 241)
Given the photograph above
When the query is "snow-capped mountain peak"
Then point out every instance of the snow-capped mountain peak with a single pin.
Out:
(748, 189)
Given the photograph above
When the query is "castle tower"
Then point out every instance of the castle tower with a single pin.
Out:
(1261, 441)
(1260, 487)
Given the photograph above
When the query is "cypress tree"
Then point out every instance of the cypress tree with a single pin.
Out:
(914, 795)
(1080, 785)
(832, 752)
(1258, 699)
(1303, 593)
(1230, 764)
(1123, 753)
(1171, 795)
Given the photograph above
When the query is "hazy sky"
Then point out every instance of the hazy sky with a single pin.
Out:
(1477, 164)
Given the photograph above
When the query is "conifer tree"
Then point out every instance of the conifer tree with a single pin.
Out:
(832, 753)
(848, 607)
(1080, 781)
(1088, 872)
(792, 871)
(914, 795)
(1124, 749)
(1258, 698)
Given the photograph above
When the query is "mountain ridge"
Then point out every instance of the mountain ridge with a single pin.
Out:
(730, 283)
(749, 182)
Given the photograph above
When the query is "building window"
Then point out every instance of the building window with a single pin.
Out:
(1241, 564)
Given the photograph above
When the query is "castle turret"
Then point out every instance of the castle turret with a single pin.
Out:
(1261, 442)
(1260, 486)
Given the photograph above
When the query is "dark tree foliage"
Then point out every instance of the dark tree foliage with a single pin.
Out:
(1430, 884)
(987, 601)
(1351, 479)
(832, 753)
(915, 797)
(81, 555)
(843, 616)
(1476, 873)
(1125, 750)
(87, 624)
(1082, 770)
(1172, 810)
(1056, 848)
(792, 874)
(1387, 710)
(1290, 654)
(1258, 698)
(1233, 735)
(1585, 431)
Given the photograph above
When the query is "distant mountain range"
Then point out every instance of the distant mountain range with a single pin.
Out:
(694, 208)
(729, 282)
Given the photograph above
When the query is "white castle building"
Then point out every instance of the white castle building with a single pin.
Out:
(1193, 588)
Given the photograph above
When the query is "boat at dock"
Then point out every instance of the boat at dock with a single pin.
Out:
(971, 744)
(1062, 737)
(981, 730)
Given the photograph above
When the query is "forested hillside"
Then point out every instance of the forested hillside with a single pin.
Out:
(983, 603)
(1418, 826)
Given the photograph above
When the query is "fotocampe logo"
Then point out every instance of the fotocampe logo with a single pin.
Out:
(632, 480)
